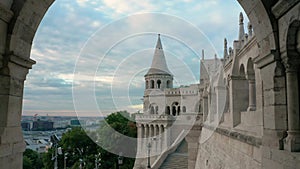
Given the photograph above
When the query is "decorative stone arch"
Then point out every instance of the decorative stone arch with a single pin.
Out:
(153, 108)
(151, 130)
(21, 19)
(142, 131)
(292, 65)
(168, 110)
(250, 67)
(252, 85)
(152, 84)
(175, 109)
(198, 107)
(156, 130)
(244, 86)
(242, 71)
(168, 84)
(158, 82)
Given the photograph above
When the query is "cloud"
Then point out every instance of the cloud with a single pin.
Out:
(69, 24)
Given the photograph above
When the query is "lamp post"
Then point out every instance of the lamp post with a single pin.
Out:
(80, 165)
(54, 139)
(120, 160)
(149, 148)
(65, 160)
(81, 159)
(97, 160)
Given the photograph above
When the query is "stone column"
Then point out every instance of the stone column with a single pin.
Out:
(139, 138)
(160, 141)
(292, 142)
(155, 140)
(166, 138)
(252, 93)
(205, 107)
(220, 101)
(212, 106)
(13, 72)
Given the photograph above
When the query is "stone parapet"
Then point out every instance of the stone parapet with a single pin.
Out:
(251, 140)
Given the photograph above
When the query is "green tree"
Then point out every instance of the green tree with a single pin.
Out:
(77, 145)
(122, 124)
(32, 160)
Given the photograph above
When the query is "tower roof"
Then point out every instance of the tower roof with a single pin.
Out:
(159, 64)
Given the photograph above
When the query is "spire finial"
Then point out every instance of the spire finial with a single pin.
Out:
(250, 29)
(230, 51)
(241, 31)
(158, 44)
(225, 48)
(202, 54)
(241, 18)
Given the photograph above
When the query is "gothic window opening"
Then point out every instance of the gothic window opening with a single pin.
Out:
(152, 84)
(151, 110)
(158, 84)
(252, 86)
(174, 110)
(156, 110)
(244, 85)
(168, 110)
(178, 110)
(168, 84)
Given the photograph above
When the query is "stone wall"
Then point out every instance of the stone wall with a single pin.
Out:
(224, 152)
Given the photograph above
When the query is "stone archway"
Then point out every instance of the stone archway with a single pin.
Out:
(19, 20)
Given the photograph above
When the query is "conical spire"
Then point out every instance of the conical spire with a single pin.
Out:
(158, 44)
(241, 30)
(159, 64)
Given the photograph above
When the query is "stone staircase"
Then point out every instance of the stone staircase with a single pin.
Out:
(178, 159)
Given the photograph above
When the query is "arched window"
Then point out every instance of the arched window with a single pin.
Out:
(167, 110)
(174, 110)
(158, 84)
(151, 110)
(156, 110)
(152, 84)
(168, 84)
(252, 87)
(244, 84)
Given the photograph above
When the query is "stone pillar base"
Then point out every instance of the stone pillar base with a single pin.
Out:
(292, 141)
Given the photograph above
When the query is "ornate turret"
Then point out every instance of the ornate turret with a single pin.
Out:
(241, 29)
(159, 75)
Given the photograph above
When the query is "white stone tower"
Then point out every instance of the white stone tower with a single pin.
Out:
(157, 79)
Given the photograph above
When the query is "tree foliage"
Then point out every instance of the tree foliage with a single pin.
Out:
(78, 145)
(32, 160)
(114, 139)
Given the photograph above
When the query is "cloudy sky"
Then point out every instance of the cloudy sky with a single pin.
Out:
(92, 55)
